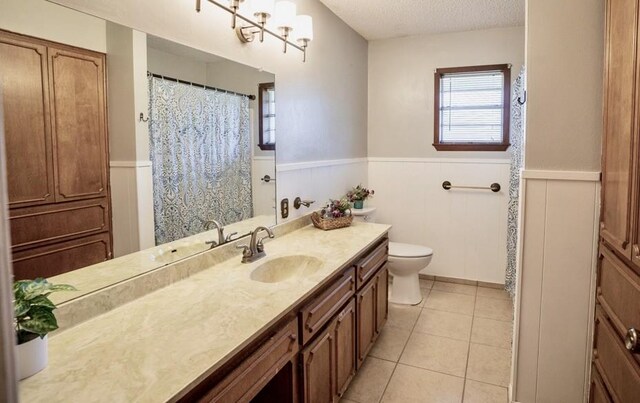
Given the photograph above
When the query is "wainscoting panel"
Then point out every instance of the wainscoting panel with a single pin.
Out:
(555, 294)
(317, 180)
(467, 229)
(132, 204)
(264, 194)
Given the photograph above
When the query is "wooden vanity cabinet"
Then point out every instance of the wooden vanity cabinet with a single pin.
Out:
(346, 342)
(57, 155)
(366, 299)
(313, 358)
(328, 363)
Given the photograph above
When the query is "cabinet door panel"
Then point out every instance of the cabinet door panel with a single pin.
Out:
(78, 124)
(24, 79)
(366, 306)
(619, 124)
(51, 260)
(345, 347)
(382, 296)
(318, 366)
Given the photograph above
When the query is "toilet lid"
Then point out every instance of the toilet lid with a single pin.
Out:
(397, 249)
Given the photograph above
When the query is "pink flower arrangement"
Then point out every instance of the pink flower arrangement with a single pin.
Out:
(337, 208)
(359, 193)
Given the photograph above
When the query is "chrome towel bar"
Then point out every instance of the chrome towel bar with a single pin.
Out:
(494, 187)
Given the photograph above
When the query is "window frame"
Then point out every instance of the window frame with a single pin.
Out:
(505, 69)
(262, 88)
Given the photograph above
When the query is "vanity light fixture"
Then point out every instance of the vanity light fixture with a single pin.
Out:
(234, 5)
(303, 31)
(285, 18)
(284, 14)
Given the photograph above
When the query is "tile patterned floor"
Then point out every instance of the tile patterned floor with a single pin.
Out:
(453, 347)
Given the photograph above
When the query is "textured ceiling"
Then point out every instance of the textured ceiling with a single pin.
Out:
(381, 19)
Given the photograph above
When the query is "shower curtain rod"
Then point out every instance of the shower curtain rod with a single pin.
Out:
(150, 74)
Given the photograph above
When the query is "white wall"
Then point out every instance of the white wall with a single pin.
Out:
(130, 174)
(322, 179)
(556, 294)
(322, 113)
(466, 229)
(322, 104)
(560, 216)
(42, 19)
(401, 85)
(565, 55)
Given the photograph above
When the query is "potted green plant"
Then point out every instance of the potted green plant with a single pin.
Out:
(33, 320)
(358, 195)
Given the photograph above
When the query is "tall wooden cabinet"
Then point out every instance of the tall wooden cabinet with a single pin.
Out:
(57, 155)
(616, 354)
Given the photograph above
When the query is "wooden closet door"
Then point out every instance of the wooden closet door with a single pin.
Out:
(619, 118)
(78, 123)
(23, 75)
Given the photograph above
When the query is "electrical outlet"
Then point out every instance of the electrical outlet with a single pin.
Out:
(284, 208)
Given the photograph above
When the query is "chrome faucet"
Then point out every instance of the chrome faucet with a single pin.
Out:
(221, 238)
(255, 249)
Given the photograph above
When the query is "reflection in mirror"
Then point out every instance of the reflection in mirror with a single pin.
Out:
(109, 181)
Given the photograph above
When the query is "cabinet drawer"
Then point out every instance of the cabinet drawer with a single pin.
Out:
(246, 381)
(315, 315)
(619, 371)
(369, 264)
(617, 285)
(598, 393)
(51, 260)
(53, 223)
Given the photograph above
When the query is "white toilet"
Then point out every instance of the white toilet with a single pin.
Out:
(405, 262)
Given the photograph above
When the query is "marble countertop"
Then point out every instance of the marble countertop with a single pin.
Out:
(158, 346)
(104, 274)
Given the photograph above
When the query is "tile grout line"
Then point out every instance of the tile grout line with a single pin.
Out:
(466, 367)
(404, 347)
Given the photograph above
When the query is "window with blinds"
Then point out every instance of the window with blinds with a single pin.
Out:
(472, 108)
(267, 106)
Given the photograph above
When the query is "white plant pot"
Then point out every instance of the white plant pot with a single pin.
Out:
(32, 357)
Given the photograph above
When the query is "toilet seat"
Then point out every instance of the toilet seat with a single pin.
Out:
(405, 250)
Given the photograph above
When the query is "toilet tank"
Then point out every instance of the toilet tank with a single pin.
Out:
(367, 214)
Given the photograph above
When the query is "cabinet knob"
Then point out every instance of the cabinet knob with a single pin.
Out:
(631, 341)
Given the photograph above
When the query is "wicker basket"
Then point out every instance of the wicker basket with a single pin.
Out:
(332, 223)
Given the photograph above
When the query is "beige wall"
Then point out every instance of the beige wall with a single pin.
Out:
(322, 112)
(401, 85)
(564, 73)
(42, 19)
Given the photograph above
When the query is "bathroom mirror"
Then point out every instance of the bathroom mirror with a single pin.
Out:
(182, 155)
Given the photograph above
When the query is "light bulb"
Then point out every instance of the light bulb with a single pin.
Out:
(285, 14)
(262, 7)
(303, 28)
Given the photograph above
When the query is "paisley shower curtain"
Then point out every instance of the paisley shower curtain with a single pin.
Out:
(200, 148)
(517, 161)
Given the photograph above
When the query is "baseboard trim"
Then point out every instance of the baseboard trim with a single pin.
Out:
(295, 166)
(461, 281)
(129, 164)
(587, 176)
(442, 160)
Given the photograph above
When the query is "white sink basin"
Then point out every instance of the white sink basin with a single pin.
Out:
(286, 268)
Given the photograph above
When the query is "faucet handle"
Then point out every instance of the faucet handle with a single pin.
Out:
(246, 250)
(228, 237)
(260, 243)
(212, 243)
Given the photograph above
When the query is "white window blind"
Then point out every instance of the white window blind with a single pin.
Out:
(269, 116)
(471, 107)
